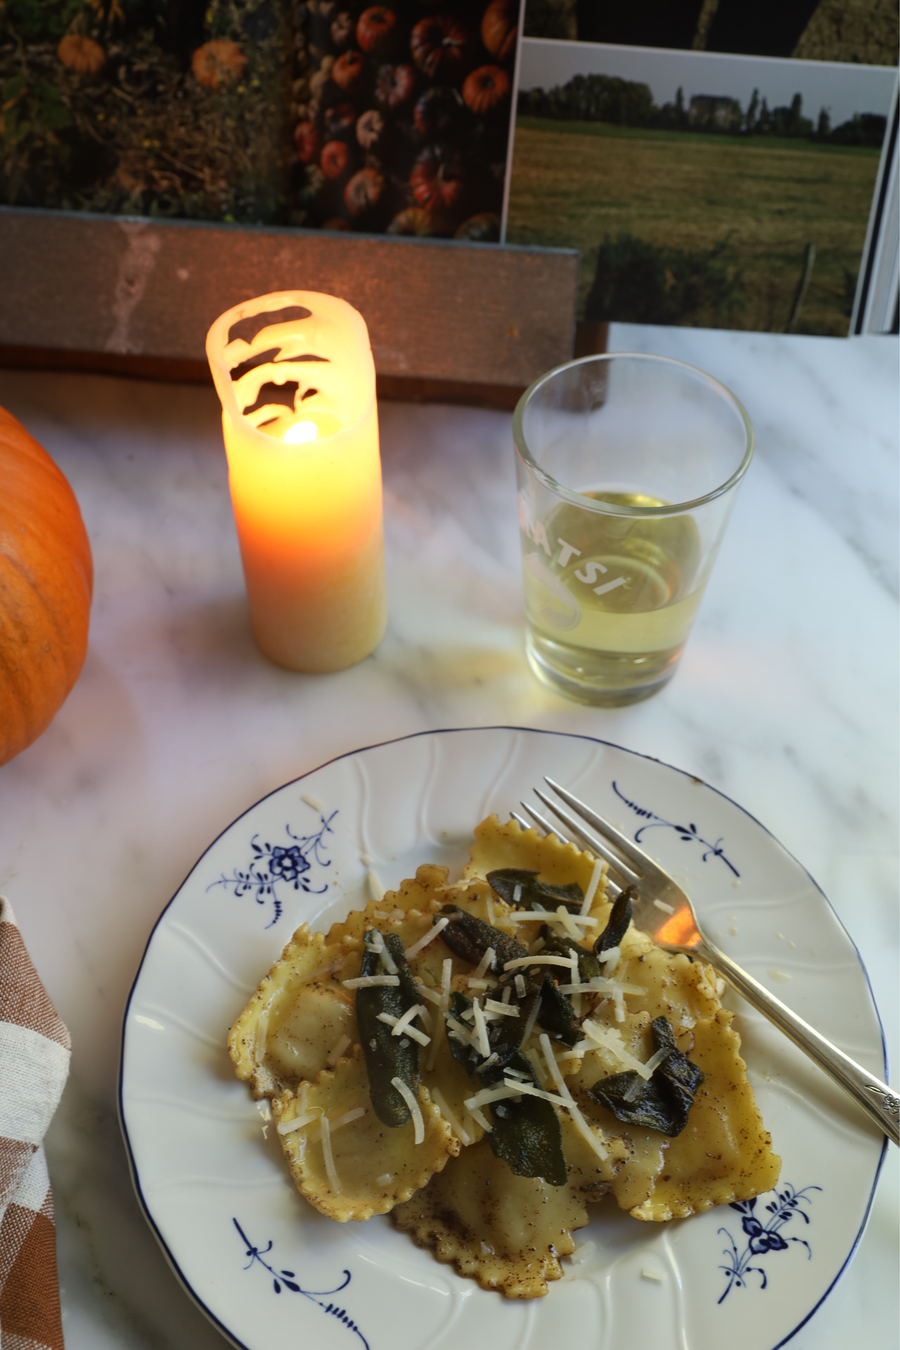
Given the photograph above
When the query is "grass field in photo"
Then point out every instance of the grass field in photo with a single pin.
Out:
(576, 183)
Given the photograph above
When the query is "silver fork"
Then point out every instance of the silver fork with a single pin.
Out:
(672, 924)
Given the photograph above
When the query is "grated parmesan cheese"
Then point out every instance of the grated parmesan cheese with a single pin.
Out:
(501, 1009)
(429, 937)
(325, 971)
(431, 994)
(529, 1090)
(532, 1018)
(610, 1039)
(336, 1051)
(489, 1062)
(581, 1252)
(565, 919)
(592, 886)
(610, 959)
(551, 916)
(481, 1035)
(477, 1114)
(418, 1122)
(312, 801)
(329, 1157)
(648, 1274)
(288, 1126)
(380, 947)
(370, 981)
(376, 889)
(404, 1021)
(259, 1040)
(384, 1180)
(347, 1118)
(666, 909)
(498, 1093)
(397, 1029)
(581, 1124)
(459, 1130)
(538, 961)
(485, 964)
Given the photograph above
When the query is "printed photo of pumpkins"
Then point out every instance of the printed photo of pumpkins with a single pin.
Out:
(402, 115)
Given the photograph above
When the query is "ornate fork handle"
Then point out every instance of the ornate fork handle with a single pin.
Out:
(875, 1097)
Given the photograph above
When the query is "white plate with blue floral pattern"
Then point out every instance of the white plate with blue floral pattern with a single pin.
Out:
(269, 1270)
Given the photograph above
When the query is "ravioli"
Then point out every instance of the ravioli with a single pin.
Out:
(512, 1021)
(375, 1167)
(504, 1231)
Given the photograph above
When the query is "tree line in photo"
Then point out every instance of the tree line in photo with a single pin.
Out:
(629, 103)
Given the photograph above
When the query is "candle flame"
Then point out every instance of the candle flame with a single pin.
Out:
(300, 433)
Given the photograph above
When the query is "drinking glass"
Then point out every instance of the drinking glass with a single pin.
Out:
(627, 468)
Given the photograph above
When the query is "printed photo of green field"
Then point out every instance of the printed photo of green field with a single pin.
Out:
(729, 226)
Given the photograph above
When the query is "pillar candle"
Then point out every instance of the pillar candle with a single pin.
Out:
(296, 380)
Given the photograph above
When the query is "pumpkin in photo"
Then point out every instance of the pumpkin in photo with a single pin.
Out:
(46, 580)
(334, 159)
(440, 47)
(481, 229)
(342, 29)
(82, 54)
(499, 27)
(370, 129)
(485, 88)
(349, 71)
(437, 179)
(375, 26)
(217, 63)
(439, 113)
(395, 86)
(363, 192)
(338, 120)
(306, 139)
(412, 221)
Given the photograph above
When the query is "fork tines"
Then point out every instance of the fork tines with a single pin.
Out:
(575, 826)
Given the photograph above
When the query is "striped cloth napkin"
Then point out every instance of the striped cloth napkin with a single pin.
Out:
(34, 1063)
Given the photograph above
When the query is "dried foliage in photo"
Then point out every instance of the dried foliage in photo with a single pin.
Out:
(274, 112)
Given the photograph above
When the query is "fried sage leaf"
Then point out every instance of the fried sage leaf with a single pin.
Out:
(557, 944)
(526, 1134)
(533, 894)
(661, 1103)
(461, 1051)
(556, 1014)
(617, 924)
(470, 938)
(386, 1055)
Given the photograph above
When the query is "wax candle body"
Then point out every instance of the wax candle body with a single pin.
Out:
(308, 514)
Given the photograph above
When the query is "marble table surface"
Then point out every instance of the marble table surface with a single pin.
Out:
(786, 700)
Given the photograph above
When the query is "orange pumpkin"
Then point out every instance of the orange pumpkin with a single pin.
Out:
(413, 221)
(348, 71)
(363, 191)
(217, 63)
(46, 580)
(485, 88)
(499, 28)
(81, 53)
(334, 159)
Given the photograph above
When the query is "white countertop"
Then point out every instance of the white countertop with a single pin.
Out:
(786, 700)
